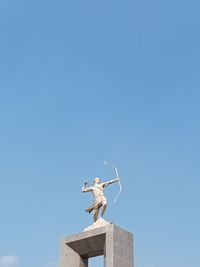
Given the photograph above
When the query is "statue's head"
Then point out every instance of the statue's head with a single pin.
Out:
(97, 180)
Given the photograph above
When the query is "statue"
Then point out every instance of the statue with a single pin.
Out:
(100, 201)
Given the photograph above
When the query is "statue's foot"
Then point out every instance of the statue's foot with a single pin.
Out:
(89, 210)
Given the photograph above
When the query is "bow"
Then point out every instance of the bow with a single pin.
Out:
(116, 171)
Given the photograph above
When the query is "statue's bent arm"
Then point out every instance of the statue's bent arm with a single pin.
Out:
(86, 189)
(110, 182)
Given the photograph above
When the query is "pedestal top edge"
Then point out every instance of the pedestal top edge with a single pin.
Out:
(94, 232)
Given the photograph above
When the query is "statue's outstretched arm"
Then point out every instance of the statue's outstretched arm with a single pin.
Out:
(110, 182)
(86, 189)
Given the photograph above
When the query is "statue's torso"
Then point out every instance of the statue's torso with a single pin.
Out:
(98, 191)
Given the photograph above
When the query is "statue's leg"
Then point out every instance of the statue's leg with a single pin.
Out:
(104, 206)
(96, 212)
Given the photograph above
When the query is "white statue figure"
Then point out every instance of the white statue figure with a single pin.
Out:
(100, 201)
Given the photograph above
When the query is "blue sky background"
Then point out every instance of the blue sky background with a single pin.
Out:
(86, 81)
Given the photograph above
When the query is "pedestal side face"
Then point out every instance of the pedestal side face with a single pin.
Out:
(69, 258)
(119, 248)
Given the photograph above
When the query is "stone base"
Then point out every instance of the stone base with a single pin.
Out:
(99, 223)
(111, 241)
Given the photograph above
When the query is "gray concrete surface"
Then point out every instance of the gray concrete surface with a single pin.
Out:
(111, 241)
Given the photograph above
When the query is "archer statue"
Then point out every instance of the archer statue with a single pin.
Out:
(100, 201)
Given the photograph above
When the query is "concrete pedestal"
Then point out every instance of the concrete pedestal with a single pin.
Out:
(111, 241)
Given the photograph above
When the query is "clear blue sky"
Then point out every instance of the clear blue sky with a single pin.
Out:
(86, 81)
